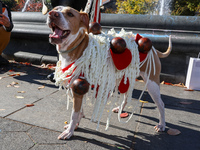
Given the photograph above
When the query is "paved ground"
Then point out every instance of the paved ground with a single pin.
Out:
(37, 127)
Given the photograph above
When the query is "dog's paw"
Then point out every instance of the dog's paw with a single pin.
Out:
(115, 110)
(69, 131)
(65, 135)
(160, 128)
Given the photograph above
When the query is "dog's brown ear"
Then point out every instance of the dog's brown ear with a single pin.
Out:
(85, 20)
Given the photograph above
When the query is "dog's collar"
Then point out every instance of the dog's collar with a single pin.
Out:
(70, 50)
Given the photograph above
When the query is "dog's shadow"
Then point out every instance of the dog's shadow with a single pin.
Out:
(121, 142)
(170, 102)
(164, 141)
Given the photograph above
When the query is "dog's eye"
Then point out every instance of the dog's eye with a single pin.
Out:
(70, 14)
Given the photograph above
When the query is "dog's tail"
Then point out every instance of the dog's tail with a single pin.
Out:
(165, 54)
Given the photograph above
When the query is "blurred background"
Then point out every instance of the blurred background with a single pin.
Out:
(151, 7)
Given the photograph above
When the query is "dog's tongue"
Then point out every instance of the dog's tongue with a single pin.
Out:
(56, 34)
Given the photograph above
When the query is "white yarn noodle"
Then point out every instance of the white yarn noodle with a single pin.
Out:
(99, 70)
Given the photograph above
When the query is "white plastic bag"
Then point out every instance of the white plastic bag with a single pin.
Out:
(193, 74)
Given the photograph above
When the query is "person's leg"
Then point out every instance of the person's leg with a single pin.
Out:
(55, 3)
(4, 40)
(76, 4)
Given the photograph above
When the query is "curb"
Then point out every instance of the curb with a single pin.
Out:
(33, 58)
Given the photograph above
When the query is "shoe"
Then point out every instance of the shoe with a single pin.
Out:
(3, 61)
(50, 77)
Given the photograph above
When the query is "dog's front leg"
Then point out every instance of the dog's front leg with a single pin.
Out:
(77, 102)
(81, 115)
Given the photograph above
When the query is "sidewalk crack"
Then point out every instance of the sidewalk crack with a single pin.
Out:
(26, 107)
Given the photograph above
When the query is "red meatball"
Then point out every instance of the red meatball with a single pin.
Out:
(144, 45)
(95, 28)
(80, 86)
(118, 45)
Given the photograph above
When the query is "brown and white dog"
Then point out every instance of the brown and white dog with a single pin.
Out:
(70, 34)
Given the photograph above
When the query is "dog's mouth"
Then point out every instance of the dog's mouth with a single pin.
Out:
(58, 33)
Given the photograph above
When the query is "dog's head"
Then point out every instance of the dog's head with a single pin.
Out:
(68, 26)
